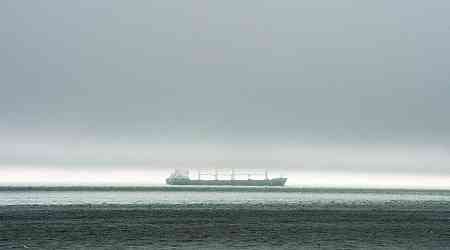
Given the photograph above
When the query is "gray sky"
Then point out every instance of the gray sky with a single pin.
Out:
(106, 82)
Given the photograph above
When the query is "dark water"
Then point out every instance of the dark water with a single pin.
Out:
(218, 219)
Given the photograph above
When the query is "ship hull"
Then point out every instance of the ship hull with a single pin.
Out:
(269, 182)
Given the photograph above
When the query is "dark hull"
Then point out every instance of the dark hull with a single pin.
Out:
(269, 182)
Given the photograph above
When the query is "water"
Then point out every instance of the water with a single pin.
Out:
(222, 218)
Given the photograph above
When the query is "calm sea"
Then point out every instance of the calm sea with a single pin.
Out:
(222, 218)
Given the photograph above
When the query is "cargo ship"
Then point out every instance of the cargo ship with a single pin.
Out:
(181, 177)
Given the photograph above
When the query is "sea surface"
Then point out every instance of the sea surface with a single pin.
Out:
(222, 218)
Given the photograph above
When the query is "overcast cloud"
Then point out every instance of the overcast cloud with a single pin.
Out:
(108, 81)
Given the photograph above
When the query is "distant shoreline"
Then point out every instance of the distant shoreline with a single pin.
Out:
(216, 189)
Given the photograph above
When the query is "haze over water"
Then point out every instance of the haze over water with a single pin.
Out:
(215, 195)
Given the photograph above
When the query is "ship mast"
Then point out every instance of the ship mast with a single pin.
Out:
(216, 174)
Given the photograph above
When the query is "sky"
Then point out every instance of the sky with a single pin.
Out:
(321, 87)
